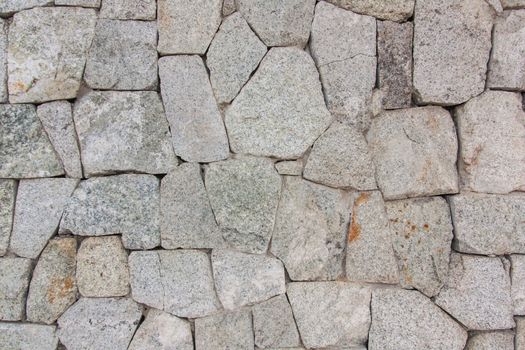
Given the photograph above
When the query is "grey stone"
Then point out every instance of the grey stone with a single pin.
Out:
(48, 64)
(242, 279)
(82, 3)
(186, 219)
(14, 282)
(517, 277)
(228, 7)
(232, 331)
(244, 194)
(25, 150)
(234, 54)
(391, 10)
(423, 236)
(122, 204)
(162, 331)
(129, 9)
(311, 230)
(369, 253)
(187, 26)
(39, 207)
(520, 333)
(25, 336)
(197, 129)
(290, 167)
(331, 313)
(57, 120)
(513, 4)
(451, 40)
(280, 112)
(147, 282)
(123, 131)
(477, 293)
(414, 151)
(99, 323)
(491, 341)
(3, 61)
(279, 23)
(102, 267)
(53, 286)
(486, 165)
(506, 68)
(8, 7)
(403, 319)
(7, 209)
(340, 158)
(274, 324)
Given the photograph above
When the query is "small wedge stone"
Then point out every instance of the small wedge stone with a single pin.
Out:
(231, 330)
(14, 282)
(391, 10)
(228, 7)
(491, 341)
(82, 3)
(25, 336)
(290, 167)
(517, 277)
(8, 7)
(3, 61)
(7, 210)
(129, 9)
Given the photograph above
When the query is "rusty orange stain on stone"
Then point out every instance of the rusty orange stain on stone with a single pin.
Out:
(355, 229)
(59, 287)
(426, 227)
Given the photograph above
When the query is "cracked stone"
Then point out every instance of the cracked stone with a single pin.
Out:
(7, 209)
(28, 336)
(230, 330)
(8, 7)
(3, 61)
(391, 10)
(491, 340)
(517, 277)
(290, 167)
(129, 9)
(14, 282)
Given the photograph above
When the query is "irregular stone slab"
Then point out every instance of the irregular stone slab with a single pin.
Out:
(491, 340)
(122, 132)
(53, 286)
(369, 253)
(486, 165)
(7, 209)
(232, 330)
(397, 10)
(280, 112)
(228, 7)
(311, 229)
(8, 7)
(330, 313)
(403, 319)
(242, 279)
(451, 40)
(513, 4)
(39, 207)
(290, 167)
(187, 26)
(423, 236)
(122, 204)
(244, 194)
(477, 293)
(517, 277)
(14, 281)
(186, 219)
(25, 150)
(279, 23)
(414, 151)
(274, 325)
(147, 284)
(197, 129)
(3, 61)
(506, 68)
(102, 267)
(48, 64)
(340, 158)
(57, 120)
(99, 323)
(83, 3)
(162, 331)
(129, 9)
(234, 54)
(28, 336)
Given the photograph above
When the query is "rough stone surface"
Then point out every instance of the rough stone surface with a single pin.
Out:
(391, 10)
(232, 330)
(39, 207)
(25, 150)
(196, 124)
(280, 112)
(8, 7)
(24, 336)
(403, 319)
(82, 3)
(234, 54)
(14, 282)
(331, 313)
(520, 333)
(242, 279)
(517, 277)
(48, 64)
(123, 131)
(53, 286)
(513, 4)
(414, 151)
(477, 293)
(311, 230)
(228, 7)
(129, 9)
(290, 167)
(122, 204)
(7, 209)
(3, 61)
(491, 341)
(486, 165)
(244, 194)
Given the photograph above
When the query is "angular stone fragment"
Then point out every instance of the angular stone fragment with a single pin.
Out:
(290, 167)
(477, 293)
(391, 10)
(25, 150)
(490, 125)
(8, 7)
(122, 204)
(197, 129)
(517, 277)
(28, 336)
(228, 7)
(99, 323)
(491, 341)
(234, 54)
(3, 61)
(232, 330)
(82, 3)
(513, 4)
(280, 112)
(187, 26)
(129, 9)
(7, 209)
(331, 313)
(53, 286)
(162, 331)
(122, 132)
(451, 39)
(14, 281)
(48, 64)
(369, 253)
(244, 194)
(403, 319)
(340, 158)
(279, 23)
(414, 151)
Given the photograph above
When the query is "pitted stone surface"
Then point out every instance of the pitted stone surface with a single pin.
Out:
(503, 340)
(229, 330)
(11, 6)
(25, 336)
(129, 9)
(7, 208)
(14, 282)
(392, 10)
(517, 278)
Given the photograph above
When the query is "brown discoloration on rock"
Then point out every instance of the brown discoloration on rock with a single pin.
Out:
(60, 288)
(355, 229)
(363, 197)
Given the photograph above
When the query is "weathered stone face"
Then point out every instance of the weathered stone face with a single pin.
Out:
(7, 207)
(517, 278)
(14, 282)
(10, 6)
(228, 330)
(29, 336)
(392, 10)
(503, 340)
(129, 9)
(3, 61)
